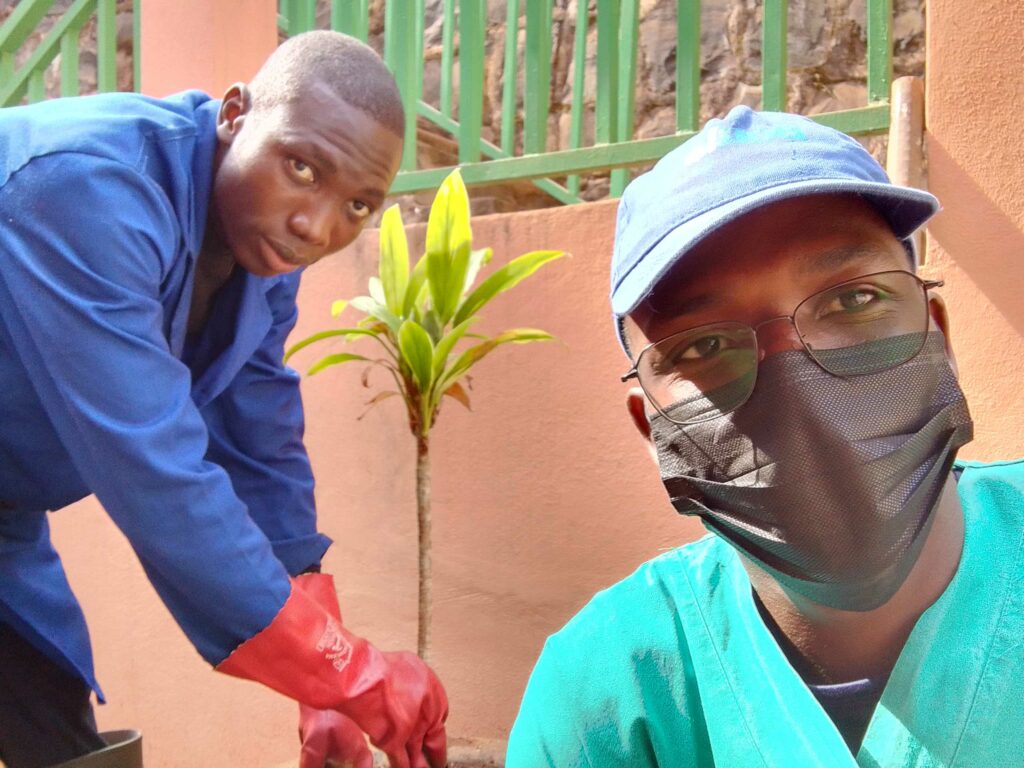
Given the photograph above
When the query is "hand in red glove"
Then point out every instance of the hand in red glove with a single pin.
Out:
(307, 655)
(328, 738)
(331, 739)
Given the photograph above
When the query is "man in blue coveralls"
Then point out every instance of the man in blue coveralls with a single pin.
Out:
(860, 600)
(150, 253)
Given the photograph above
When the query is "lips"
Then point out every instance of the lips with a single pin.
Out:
(278, 257)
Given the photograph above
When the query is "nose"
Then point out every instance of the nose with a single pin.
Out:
(315, 225)
(777, 334)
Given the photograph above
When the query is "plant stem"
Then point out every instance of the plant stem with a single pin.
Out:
(425, 615)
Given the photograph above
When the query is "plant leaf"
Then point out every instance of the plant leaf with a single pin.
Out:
(432, 325)
(477, 259)
(394, 259)
(474, 354)
(457, 392)
(377, 291)
(449, 241)
(378, 311)
(337, 359)
(418, 352)
(379, 397)
(325, 335)
(500, 281)
(337, 307)
(413, 290)
(446, 344)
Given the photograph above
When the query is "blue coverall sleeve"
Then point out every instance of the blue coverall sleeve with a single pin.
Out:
(86, 243)
(256, 427)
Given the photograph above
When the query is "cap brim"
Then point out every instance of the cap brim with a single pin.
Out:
(905, 208)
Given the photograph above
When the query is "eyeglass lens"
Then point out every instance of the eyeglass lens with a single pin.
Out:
(867, 325)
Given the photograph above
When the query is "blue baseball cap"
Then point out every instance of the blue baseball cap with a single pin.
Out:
(735, 165)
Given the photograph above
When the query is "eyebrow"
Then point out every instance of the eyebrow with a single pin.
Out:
(832, 259)
(321, 159)
(841, 257)
(375, 195)
(687, 306)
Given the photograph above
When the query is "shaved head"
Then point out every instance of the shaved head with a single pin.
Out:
(352, 69)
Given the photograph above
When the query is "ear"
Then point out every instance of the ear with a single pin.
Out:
(236, 104)
(940, 318)
(636, 404)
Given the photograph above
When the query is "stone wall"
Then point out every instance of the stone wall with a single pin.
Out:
(827, 72)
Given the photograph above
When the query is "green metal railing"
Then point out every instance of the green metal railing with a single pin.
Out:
(459, 111)
(523, 149)
(26, 82)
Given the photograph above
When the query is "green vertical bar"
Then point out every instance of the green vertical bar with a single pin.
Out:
(628, 21)
(345, 16)
(447, 46)
(301, 16)
(688, 65)
(106, 45)
(607, 71)
(510, 77)
(773, 56)
(36, 87)
(399, 52)
(69, 63)
(137, 45)
(579, 70)
(879, 50)
(6, 67)
(472, 17)
(537, 80)
(291, 15)
(419, 20)
(364, 20)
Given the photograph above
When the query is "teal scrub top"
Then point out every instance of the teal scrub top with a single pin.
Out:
(673, 666)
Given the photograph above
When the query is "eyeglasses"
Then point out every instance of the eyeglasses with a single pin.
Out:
(866, 325)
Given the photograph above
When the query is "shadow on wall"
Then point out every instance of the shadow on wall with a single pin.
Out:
(991, 255)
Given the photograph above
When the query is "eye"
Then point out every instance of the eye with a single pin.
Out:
(359, 209)
(855, 299)
(692, 352)
(301, 170)
(701, 349)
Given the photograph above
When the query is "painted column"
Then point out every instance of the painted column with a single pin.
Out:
(204, 44)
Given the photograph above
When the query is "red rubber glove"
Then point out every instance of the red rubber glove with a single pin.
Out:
(307, 655)
(331, 739)
(328, 738)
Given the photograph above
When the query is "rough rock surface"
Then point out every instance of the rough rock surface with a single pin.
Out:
(827, 72)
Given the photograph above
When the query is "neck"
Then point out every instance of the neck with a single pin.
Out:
(848, 645)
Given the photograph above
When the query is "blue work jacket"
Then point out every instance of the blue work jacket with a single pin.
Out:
(192, 445)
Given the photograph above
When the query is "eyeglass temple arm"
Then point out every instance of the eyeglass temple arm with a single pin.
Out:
(632, 373)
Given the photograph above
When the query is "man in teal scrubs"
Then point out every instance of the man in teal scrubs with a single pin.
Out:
(859, 599)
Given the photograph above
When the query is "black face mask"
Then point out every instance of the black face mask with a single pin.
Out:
(827, 483)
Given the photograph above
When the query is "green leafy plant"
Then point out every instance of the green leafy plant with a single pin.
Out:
(420, 322)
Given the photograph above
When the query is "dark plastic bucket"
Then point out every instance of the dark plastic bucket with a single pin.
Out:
(124, 750)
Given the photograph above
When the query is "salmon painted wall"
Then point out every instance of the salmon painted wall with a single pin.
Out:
(973, 89)
(542, 494)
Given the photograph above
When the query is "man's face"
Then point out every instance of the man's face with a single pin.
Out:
(764, 264)
(299, 180)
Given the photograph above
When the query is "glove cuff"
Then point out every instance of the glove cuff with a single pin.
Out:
(306, 654)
